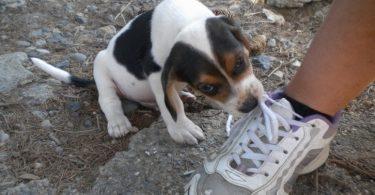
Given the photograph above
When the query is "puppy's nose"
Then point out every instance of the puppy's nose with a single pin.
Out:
(249, 104)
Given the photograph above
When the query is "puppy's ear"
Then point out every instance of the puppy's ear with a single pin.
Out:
(237, 32)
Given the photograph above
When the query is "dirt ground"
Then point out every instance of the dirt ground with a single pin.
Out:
(70, 150)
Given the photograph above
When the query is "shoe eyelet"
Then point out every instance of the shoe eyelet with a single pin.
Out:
(285, 151)
(277, 162)
(313, 125)
(240, 144)
(296, 138)
(266, 174)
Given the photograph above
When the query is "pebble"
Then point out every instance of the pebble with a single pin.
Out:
(4, 137)
(273, 17)
(59, 150)
(78, 57)
(46, 124)
(296, 63)
(3, 37)
(53, 137)
(36, 33)
(40, 43)
(63, 64)
(43, 51)
(38, 165)
(279, 74)
(70, 124)
(87, 123)
(80, 18)
(57, 38)
(108, 31)
(3, 156)
(29, 176)
(23, 43)
(73, 106)
(92, 8)
(69, 7)
(271, 43)
(263, 61)
(40, 114)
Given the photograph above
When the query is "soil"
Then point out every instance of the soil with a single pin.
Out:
(70, 151)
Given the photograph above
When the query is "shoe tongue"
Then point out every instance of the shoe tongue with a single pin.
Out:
(285, 109)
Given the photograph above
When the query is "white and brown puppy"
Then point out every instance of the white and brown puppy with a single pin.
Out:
(161, 51)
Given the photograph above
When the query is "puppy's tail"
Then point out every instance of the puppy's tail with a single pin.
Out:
(62, 75)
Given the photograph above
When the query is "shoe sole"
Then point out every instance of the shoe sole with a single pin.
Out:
(317, 162)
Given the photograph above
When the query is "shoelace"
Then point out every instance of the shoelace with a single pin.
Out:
(268, 124)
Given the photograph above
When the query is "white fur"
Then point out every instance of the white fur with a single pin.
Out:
(53, 71)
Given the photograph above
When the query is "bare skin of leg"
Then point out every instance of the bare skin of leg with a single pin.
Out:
(341, 60)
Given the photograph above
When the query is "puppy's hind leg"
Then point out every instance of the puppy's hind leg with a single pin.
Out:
(118, 124)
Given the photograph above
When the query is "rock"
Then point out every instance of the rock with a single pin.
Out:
(40, 43)
(53, 137)
(43, 51)
(80, 18)
(4, 137)
(63, 64)
(263, 61)
(122, 174)
(273, 17)
(279, 74)
(129, 107)
(107, 31)
(12, 70)
(296, 63)
(3, 156)
(12, 4)
(6, 178)
(37, 93)
(288, 3)
(38, 165)
(23, 43)
(46, 124)
(58, 38)
(40, 114)
(92, 8)
(78, 57)
(69, 7)
(87, 123)
(29, 176)
(271, 43)
(36, 33)
(73, 106)
(32, 187)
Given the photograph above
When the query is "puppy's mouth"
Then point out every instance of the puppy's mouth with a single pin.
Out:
(248, 105)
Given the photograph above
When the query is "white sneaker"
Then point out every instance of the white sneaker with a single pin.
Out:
(265, 152)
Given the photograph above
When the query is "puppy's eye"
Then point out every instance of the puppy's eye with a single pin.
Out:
(208, 89)
(239, 67)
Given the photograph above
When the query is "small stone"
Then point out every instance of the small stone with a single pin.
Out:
(279, 74)
(40, 114)
(12, 71)
(36, 94)
(78, 57)
(4, 137)
(263, 61)
(59, 150)
(296, 63)
(130, 107)
(3, 156)
(29, 176)
(92, 8)
(107, 31)
(273, 17)
(43, 51)
(46, 124)
(40, 43)
(63, 64)
(271, 43)
(36, 33)
(73, 106)
(57, 38)
(87, 123)
(358, 177)
(53, 137)
(38, 165)
(80, 18)
(136, 173)
(23, 43)
(69, 7)
(70, 124)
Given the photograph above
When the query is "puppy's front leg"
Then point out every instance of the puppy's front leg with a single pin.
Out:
(180, 128)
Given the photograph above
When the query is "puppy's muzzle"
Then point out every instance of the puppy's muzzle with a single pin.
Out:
(249, 104)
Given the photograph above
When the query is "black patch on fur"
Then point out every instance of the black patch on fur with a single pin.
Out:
(79, 82)
(186, 64)
(221, 37)
(133, 48)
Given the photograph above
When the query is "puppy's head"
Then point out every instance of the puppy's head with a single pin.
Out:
(212, 56)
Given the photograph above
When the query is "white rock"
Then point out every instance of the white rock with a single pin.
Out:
(271, 43)
(279, 74)
(4, 137)
(296, 63)
(273, 17)
(46, 124)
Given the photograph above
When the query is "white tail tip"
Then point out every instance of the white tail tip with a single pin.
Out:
(56, 73)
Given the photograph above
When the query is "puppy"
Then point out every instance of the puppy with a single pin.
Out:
(161, 51)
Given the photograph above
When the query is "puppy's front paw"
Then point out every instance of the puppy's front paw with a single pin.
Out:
(119, 126)
(186, 132)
